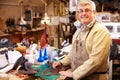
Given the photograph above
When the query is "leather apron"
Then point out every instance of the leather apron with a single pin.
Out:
(79, 53)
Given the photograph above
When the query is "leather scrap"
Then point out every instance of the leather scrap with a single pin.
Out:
(51, 71)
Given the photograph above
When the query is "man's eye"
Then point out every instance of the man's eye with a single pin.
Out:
(80, 10)
(86, 11)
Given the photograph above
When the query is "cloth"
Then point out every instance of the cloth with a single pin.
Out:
(3, 61)
(97, 46)
(7, 68)
(41, 69)
(13, 56)
(44, 37)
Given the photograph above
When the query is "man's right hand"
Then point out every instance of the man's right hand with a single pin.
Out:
(56, 64)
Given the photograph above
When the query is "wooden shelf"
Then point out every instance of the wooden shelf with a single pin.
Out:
(37, 29)
(116, 69)
(18, 36)
(4, 35)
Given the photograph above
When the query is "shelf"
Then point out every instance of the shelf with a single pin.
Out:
(37, 29)
(116, 74)
(32, 30)
(3, 35)
(116, 62)
(116, 69)
(19, 35)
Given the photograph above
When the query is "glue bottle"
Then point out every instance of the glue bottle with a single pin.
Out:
(41, 58)
(45, 56)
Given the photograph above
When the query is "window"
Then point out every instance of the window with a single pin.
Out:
(118, 28)
(110, 28)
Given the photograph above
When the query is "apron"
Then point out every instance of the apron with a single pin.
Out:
(79, 53)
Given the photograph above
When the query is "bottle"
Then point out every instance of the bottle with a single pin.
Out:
(45, 56)
(41, 58)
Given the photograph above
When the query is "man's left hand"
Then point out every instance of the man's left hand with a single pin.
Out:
(66, 73)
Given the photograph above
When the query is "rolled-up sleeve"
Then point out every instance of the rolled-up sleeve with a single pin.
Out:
(66, 60)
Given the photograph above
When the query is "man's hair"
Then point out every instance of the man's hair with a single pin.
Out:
(85, 2)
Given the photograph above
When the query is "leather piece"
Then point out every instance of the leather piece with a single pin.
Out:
(55, 71)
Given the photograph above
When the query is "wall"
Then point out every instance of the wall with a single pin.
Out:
(12, 8)
(9, 11)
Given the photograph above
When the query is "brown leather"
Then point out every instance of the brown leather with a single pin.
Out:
(55, 71)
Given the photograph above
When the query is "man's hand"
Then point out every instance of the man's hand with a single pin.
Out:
(56, 64)
(66, 73)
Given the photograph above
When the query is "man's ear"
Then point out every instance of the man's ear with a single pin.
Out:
(94, 12)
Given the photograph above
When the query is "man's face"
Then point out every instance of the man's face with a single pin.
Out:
(85, 14)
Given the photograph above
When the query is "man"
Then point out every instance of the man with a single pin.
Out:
(89, 56)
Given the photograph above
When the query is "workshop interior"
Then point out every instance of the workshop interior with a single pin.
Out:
(34, 33)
